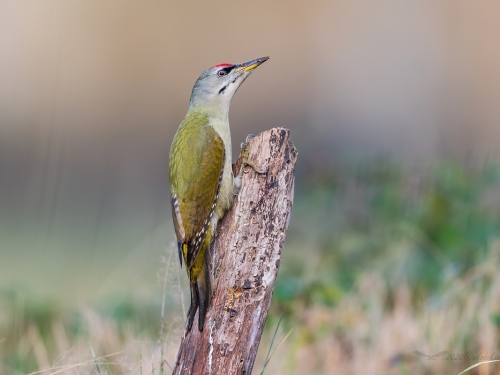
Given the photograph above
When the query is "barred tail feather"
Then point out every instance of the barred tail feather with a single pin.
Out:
(194, 304)
(179, 249)
(200, 283)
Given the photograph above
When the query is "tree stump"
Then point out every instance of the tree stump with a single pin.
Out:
(246, 256)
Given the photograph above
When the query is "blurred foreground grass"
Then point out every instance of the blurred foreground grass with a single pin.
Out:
(381, 262)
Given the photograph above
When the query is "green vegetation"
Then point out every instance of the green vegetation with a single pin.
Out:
(381, 262)
(421, 227)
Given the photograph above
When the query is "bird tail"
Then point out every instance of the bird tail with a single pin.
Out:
(200, 285)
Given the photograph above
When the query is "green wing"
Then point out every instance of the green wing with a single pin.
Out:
(194, 181)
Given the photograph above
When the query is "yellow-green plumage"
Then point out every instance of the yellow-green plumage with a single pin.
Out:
(195, 176)
(201, 178)
(194, 184)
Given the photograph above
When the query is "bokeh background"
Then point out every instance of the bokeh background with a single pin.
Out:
(393, 246)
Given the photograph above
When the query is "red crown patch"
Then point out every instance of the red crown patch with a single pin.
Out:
(223, 64)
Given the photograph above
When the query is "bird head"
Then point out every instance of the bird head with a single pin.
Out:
(216, 86)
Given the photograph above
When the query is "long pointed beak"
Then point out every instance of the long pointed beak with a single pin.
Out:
(250, 65)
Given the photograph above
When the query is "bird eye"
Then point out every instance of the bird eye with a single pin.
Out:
(221, 73)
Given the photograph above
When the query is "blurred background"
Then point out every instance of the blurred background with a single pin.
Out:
(393, 247)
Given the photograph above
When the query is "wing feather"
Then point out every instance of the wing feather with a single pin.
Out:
(194, 181)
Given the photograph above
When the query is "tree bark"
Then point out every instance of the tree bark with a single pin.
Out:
(246, 256)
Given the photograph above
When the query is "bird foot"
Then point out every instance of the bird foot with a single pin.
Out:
(244, 158)
(249, 136)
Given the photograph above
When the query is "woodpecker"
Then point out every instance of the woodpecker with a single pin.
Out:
(202, 185)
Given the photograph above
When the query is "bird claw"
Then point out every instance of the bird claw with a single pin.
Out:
(244, 159)
(254, 167)
(244, 144)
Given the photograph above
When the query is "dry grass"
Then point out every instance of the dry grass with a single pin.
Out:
(363, 334)
(366, 335)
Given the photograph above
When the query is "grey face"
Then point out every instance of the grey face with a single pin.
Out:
(218, 84)
(222, 81)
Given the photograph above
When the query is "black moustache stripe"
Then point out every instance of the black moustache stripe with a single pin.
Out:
(221, 91)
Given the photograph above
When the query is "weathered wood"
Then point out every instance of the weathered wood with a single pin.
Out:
(245, 262)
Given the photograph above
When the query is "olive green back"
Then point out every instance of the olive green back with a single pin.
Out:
(196, 164)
